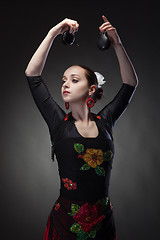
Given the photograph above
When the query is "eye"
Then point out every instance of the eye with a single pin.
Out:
(75, 80)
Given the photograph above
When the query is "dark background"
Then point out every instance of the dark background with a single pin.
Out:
(29, 179)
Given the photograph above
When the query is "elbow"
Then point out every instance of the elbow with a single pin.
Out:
(31, 70)
(26, 73)
(30, 73)
(136, 83)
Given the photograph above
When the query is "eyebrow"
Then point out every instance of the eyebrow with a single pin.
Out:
(71, 75)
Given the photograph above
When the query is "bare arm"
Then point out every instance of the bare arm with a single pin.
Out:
(127, 70)
(38, 60)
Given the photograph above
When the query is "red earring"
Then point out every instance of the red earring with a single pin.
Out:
(90, 102)
(67, 105)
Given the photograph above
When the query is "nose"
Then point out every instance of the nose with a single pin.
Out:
(66, 84)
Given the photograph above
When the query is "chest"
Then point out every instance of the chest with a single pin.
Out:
(91, 130)
(70, 129)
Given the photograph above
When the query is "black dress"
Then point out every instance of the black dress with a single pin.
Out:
(83, 209)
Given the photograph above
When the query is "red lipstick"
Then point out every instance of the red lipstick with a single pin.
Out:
(65, 92)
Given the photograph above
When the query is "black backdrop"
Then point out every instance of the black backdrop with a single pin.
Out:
(29, 179)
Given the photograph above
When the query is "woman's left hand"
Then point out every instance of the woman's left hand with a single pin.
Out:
(111, 32)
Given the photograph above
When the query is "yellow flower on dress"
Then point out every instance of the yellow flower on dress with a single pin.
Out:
(93, 157)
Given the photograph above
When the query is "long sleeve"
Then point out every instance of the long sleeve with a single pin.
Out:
(49, 109)
(114, 110)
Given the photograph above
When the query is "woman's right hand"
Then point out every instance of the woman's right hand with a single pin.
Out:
(37, 62)
(63, 26)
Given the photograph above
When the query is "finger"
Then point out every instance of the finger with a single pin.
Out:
(73, 26)
(104, 18)
(112, 28)
(107, 29)
(106, 24)
(63, 29)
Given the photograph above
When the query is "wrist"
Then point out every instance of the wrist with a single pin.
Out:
(54, 32)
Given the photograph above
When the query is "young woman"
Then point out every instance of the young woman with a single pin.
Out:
(82, 141)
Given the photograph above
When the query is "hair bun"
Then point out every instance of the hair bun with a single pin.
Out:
(98, 94)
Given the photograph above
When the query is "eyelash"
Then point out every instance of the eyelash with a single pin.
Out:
(72, 81)
(75, 80)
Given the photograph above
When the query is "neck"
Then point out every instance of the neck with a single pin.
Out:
(80, 112)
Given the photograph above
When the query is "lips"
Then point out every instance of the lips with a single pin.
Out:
(66, 92)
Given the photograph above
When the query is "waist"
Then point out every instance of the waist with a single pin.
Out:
(83, 192)
(98, 207)
(81, 196)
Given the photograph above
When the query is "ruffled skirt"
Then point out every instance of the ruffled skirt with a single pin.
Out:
(79, 220)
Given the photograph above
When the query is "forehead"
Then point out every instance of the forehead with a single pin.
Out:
(75, 70)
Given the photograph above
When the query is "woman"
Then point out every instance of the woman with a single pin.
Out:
(82, 141)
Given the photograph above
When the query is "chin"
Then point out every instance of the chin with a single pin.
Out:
(66, 99)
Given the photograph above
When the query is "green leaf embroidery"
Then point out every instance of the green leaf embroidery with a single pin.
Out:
(75, 208)
(82, 235)
(71, 214)
(75, 228)
(79, 147)
(107, 199)
(100, 171)
(92, 233)
(103, 201)
(85, 167)
(107, 155)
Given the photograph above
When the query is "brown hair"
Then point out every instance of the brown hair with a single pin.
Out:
(92, 80)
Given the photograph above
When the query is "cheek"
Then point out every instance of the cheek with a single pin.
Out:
(62, 91)
(80, 91)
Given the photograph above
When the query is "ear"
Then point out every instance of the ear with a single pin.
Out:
(92, 89)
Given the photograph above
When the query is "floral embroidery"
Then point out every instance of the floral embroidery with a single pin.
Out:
(98, 117)
(69, 184)
(88, 218)
(57, 206)
(93, 158)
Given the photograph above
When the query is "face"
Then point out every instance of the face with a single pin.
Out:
(75, 85)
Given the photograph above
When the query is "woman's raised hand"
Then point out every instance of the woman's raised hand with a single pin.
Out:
(37, 62)
(111, 32)
(64, 25)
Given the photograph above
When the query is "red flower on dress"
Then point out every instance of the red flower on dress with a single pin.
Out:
(69, 184)
(88, 216)
(57, 206)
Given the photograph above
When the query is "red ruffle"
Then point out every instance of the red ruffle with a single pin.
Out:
(55, 235)
(47, 229)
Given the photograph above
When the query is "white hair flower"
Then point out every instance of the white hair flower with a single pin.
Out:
(100, 79)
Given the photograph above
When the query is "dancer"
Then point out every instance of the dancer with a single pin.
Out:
(81, 140)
